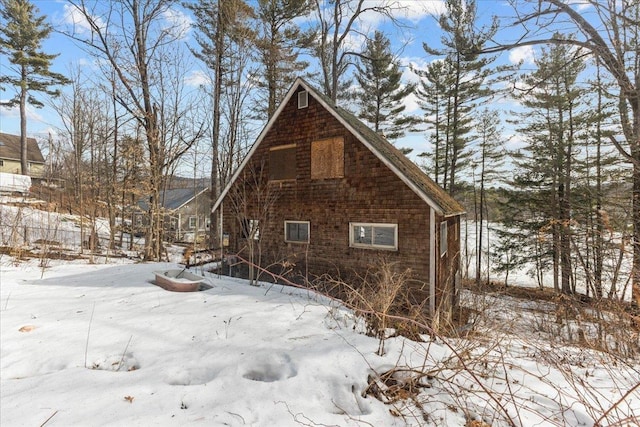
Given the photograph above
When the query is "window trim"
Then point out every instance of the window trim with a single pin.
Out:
(286, 222)
(303, 99)
(195, 222)
(444, 238)
(373, 225)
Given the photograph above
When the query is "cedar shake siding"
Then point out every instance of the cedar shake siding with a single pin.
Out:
(307, 167)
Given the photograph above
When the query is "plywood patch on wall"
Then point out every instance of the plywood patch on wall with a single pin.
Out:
(282, 162)
(327, 158)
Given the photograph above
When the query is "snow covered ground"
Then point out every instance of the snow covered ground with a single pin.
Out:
(98, 344)
(91, 345)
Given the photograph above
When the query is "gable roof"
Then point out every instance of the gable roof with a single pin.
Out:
(10, 148)
(405, 169)
(175, 198)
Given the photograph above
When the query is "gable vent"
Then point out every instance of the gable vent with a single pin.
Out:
(303, 99)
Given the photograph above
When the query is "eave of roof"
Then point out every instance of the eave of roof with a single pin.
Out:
(174, 199)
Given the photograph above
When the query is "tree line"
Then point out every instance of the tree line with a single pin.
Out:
(570, 198)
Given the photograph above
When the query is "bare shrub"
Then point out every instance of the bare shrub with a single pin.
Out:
(384, 298)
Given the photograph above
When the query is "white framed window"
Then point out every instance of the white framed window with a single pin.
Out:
(138, 220)
(373, 236)
(193, 222)
(296, 231)
(443, 238)
(303, 99)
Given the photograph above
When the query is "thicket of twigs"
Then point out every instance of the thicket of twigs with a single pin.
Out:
(513, 360)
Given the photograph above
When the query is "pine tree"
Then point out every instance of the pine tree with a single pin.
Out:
(21, 35)
(279, 43)
(552, 125)
(380, 93)
(470, 83)
(599, 173)
(337, 21)
(432, 93)
(489, 159)
(223, 36)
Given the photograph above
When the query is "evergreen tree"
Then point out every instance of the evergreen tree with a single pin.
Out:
(279, 43)
(22, 32)
(432, 93)
(610, 32)
(224, 36)
(337, 20)
(599, 173)
(469, 85)
(380, 94)
(552, 125)
(490, 153)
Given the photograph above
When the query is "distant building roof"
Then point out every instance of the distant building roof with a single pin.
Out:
(10, 148)
(175, 198)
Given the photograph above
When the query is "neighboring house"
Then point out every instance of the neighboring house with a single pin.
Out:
(186, 214)
(10, 155)
(324, 193)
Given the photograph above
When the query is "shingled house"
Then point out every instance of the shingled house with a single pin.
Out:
(10, 155)
(323, 192)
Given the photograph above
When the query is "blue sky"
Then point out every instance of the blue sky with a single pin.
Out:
(417, 17)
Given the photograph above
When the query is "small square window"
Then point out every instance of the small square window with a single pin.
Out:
(296, 231)
(373, 236)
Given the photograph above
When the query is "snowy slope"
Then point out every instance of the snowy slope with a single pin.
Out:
(93, 345)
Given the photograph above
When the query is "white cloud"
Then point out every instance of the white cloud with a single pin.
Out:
(197, 78)
(524, 54)
(415, 11)
(13, 113)
(178, 22)
(8, 112)
(74, 17)
(411, 104)
(411, 10)
(581, 5)
(515, 141)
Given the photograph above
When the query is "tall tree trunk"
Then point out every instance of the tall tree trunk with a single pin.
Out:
(635, 288)
(24, 162)
(214, 237)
